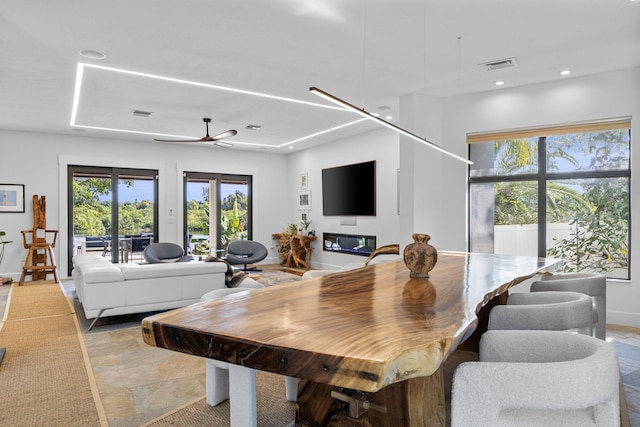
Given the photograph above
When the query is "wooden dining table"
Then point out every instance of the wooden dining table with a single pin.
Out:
(368, 345)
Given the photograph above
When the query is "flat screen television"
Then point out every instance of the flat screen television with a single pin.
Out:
(349, 190)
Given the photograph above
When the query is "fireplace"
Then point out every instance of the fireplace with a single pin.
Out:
(355, 244)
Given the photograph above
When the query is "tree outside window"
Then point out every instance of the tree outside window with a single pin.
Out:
(564, 195)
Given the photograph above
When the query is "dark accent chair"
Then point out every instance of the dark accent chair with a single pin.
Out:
(243, 252)
(165, 252)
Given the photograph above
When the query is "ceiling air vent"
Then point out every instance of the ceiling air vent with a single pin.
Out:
(140, 113)
(500, 64)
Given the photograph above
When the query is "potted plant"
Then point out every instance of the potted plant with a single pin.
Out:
(305, 223)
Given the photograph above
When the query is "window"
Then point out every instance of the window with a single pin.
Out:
(113, 212)
(217, 208)
(562, 192)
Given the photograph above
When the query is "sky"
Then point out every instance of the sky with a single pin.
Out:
(143, 190)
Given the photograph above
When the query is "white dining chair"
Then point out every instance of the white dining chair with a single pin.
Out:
(592, 284)
(538, 378)
(555, 311)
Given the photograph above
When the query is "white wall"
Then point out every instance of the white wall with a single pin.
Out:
(432, 184)
(379, 145)
(576, 99)
(40, 162)
(432, 194)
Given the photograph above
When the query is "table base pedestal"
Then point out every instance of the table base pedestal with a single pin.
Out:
(416, 402)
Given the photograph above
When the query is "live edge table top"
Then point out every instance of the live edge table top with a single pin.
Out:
(363, 329)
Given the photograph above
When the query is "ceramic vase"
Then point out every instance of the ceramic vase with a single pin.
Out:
(420, 257)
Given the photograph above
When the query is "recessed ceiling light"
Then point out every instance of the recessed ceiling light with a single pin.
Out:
(384, 107)
(499, 83)
(389, 118)
(92, 54)
(291, 147)
(253, 127)
(140, 113)
(565, 72)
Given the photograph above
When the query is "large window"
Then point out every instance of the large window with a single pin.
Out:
(217, 208)
(113, 212)
(562, 192)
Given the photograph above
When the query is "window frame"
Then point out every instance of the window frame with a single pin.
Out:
(542, 176)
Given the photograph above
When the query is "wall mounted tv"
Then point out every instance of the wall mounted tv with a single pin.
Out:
(349, 190)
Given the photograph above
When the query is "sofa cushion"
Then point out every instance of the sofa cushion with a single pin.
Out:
(101, 273)
(150, 271)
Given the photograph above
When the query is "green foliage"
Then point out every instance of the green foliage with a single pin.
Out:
(516, 203)
(233, 218)
(198, 217)
(598, 215)
(516, 155)
(233, 225)
(91, 217)
(238, 198)
(202, 248)
(600, 230)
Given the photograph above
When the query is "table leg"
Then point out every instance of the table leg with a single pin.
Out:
(417, 402)
(242, 396)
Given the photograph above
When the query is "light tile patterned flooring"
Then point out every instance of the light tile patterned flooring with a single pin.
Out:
(627, 343)
(138, 383)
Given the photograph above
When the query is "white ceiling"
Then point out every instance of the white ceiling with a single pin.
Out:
(172, 58)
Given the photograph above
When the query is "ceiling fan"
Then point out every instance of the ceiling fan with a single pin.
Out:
(207, 138)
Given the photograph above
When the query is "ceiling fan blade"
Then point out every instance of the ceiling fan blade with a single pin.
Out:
(224, 135)
(179, 140)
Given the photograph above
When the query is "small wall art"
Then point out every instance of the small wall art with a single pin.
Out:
(12, 198)
(304, 181)
(304, 200)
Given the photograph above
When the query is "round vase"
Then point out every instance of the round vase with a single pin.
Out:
(420, 257)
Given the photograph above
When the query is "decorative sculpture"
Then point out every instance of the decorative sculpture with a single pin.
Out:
(420, 257)
(40, 260)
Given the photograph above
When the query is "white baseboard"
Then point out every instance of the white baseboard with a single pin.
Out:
(623, 318)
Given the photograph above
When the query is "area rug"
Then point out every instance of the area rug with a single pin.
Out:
(271, 278)
(44, 378)
(273, 408)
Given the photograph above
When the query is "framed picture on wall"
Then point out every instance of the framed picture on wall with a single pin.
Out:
(12, 198)
(304, 200)
(304, 181)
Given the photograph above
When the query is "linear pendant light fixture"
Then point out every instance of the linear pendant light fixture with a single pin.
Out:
(364, 113)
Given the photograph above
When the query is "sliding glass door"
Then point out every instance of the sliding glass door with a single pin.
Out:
(217, 210)
(112, 211)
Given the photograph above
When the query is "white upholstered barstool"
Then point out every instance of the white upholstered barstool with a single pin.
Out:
(538, 378)
(592, 284)
(234, 382)
(553, 311)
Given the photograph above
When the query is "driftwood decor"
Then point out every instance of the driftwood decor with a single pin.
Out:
(295, 249)
(40, 259)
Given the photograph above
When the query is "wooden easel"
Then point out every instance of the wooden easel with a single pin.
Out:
(40, 260)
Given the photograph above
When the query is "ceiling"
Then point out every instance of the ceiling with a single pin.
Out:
(235, 61)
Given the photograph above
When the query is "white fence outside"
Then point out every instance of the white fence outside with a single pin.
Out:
(523, 239)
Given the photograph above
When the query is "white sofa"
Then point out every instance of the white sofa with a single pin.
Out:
(107, 289)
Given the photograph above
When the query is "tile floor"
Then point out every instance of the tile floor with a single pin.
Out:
(139, 383)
